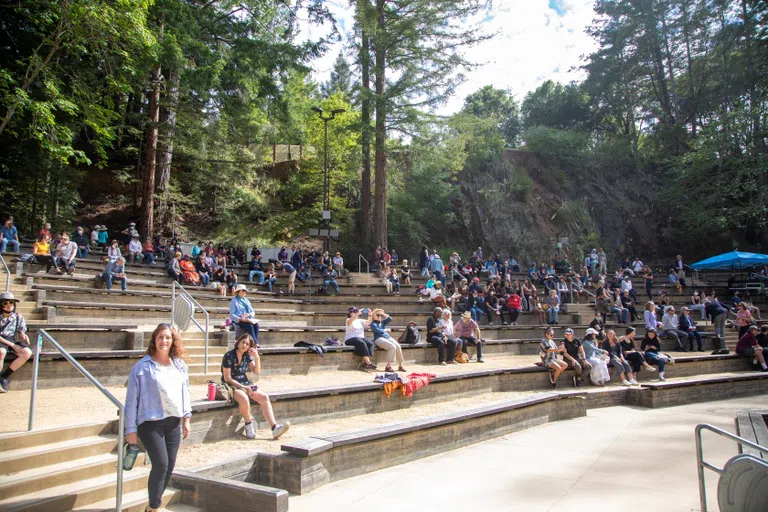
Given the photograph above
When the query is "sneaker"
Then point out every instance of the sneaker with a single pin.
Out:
(671, 360)
(372, 367)
(3, 385)
(661, 377)
(249, 432)
(626, 382)
(362, 367)
(279, 429)
(634, 382)
(452, 362)
(443, 363)
(651, 368)
(490, 324)
(480, 361)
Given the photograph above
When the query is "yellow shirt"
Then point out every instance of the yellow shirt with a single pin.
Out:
(41, 248)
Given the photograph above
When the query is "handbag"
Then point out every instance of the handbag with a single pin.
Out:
(224, 392)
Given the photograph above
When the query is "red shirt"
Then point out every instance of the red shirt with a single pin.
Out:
(513, 301)
(746, 341)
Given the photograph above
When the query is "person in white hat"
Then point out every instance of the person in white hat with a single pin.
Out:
(596, 357)
(241, 313)
(13, 336)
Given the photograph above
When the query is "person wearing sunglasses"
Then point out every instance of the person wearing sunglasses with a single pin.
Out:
(13, 337)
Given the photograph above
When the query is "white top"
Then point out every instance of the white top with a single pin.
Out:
(670, 321)
(338, 260)
(638, 267)
(170, 386)
(94, 236)
(355, 329)
(626, 285)
(434, 292)
(447, 327)
(113, 253)
(134, 245)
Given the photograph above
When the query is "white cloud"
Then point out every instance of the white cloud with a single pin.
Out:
(534, 44)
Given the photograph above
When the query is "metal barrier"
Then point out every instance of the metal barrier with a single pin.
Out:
(120, 407)
(701, 463)
(7, 274)
(360, 260)
(186, 296)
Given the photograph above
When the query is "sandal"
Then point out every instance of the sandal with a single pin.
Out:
(388, 369)
(401, 369)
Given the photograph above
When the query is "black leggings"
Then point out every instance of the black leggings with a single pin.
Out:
(161, 439)
(363, 347)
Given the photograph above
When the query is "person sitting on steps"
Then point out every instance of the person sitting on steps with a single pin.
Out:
(241, 313)
(383, 340)
(115, 271)
(446, 346)
(550, 355)
(468, 331)
(749, 348)
(354, 336)
(235, 365)
(13, 336)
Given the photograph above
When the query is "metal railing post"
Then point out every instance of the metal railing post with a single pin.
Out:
(7, 273)
(173, 301)
(207, 319)
(35, 371)
(120, 407)
(188, 296)
(360, 260)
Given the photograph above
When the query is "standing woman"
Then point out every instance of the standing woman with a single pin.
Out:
(423, 260)
(158, 408)
(355, 337)
(648, 280)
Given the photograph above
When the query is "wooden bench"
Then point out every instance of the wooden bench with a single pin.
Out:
(751, 425)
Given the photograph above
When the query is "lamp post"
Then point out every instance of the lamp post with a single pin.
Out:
(326, 179)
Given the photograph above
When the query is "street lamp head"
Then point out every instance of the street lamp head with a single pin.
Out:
(317, 109)
(338, 111)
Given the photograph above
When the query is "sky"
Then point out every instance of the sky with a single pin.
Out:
(537, 40)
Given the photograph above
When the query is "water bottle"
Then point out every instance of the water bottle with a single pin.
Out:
(211, 390)
(129, 458)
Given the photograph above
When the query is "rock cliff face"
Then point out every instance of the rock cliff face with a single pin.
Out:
(525, 204)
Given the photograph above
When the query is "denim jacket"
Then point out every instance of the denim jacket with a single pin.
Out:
(238, 306)
(143, 401)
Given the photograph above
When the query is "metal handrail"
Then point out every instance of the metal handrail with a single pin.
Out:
(7, 272)
(190, 298)
(120, 407)
(360, 260)
(701, 463)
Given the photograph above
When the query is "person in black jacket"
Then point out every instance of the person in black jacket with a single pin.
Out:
(688, 324)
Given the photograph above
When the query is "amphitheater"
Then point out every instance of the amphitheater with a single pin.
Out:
(343, 423)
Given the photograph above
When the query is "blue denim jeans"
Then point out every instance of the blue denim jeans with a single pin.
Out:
(256, 273)
(553, 315)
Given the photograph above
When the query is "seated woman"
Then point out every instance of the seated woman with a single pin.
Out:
(620, 365)
(231, 281)
(553, 307)
(513, 305)
(219, 280)
(597, 324)
(551, 356)
(651, 346)
(148, 251)
(596, 357)
(634, 357)
(383, 340)
(241, 313)
(173, 266)
(617, 306)
(394, 278)
(189, 272)
(528, 295)
(436, 336)
(406, 270)
(355, 337)
(436, 295)
(234, 374)
(41, 250)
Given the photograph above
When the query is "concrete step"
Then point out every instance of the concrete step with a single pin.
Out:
(77, 494)
(21, 459)
(18, 440)
(136, 501)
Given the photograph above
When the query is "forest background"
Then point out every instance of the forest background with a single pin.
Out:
(171, 112)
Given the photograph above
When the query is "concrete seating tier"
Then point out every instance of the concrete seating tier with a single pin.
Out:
(751, 425)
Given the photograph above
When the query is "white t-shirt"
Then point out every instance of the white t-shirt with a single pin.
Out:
(355, 329)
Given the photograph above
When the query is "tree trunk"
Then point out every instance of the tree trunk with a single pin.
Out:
(758, 145)
(692, 105)
(168, 120)
(365, 140)
(150, 155)
(380, 198)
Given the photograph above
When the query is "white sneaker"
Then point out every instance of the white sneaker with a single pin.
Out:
(626, 382)
(249, 432)
(661, 376)
(279, 429)
(634, 382)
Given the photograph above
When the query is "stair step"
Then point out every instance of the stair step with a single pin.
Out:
(78, 494)
(37, 437)
(21, 459)
(52, 475)
(137, 501)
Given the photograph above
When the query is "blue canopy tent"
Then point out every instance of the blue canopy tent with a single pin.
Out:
(732, 261)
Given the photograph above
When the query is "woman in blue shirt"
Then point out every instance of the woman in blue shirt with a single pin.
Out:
(158, 408)
(241, 313)
(383, 340)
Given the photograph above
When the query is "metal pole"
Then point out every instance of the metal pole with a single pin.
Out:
(120, 455)
(173, 301)
(700, 469)
(205, 365)
(35, 368)
(326, 198)
(173, 222)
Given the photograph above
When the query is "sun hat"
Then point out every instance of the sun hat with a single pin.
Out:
(8, 296)
(353, 309)
(466, 314)
(241, 288)
(591, 331)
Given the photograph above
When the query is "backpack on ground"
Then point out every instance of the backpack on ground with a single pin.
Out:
(411, 336)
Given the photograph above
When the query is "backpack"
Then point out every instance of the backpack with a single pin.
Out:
(411, 336)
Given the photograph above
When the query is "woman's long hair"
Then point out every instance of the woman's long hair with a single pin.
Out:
(177, 350)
